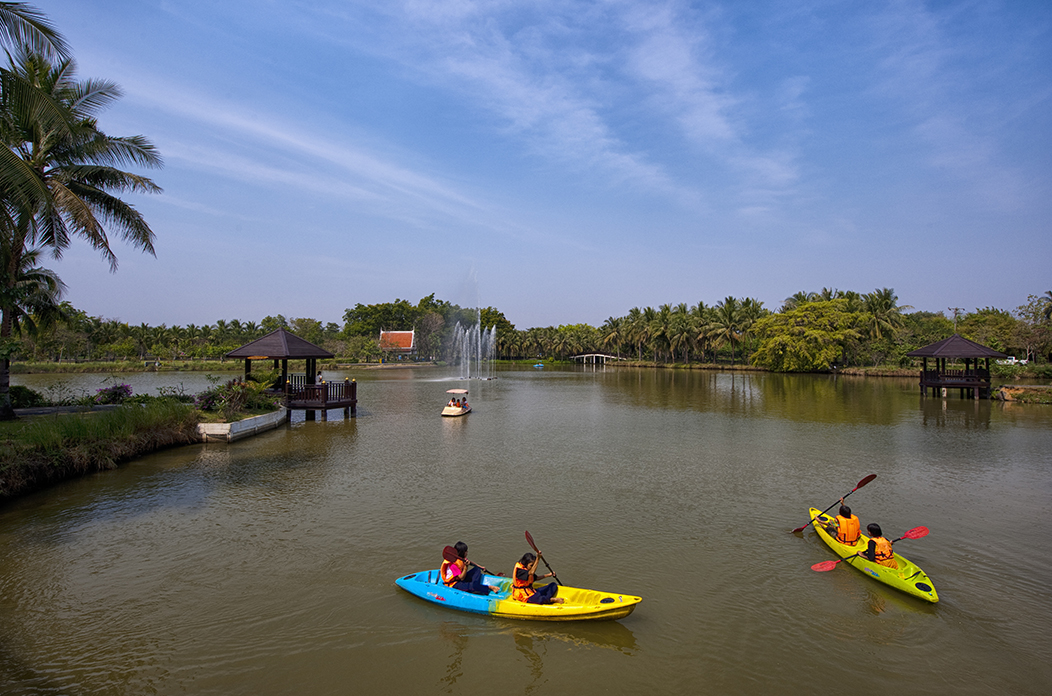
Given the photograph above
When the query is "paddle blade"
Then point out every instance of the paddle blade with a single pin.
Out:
(916, 533)
(450, 554)
(801, 528)
(825, 565)
(864, 481)
(529, 540)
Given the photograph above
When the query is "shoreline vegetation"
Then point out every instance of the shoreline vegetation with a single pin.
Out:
(1004, 372)
(43, 450)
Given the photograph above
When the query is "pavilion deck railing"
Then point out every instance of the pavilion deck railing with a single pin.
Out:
(323, 395)
(948, 378)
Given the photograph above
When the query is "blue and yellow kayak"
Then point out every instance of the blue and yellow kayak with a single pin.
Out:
(908, 578)
(578, 604)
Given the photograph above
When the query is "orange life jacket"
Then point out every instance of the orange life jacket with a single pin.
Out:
(883, 554)
(521, 590)
(449, 577)
(848, 529)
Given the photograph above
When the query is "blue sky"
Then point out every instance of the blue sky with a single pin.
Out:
(567, 161)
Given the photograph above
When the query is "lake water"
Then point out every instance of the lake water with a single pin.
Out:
(267, 566)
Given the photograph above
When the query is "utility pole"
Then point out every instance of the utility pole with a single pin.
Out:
(956, 312)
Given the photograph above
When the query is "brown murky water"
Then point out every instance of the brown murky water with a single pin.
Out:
(267, 566)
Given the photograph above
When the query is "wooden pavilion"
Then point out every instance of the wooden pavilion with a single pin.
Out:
(301, 391)
(972, 378)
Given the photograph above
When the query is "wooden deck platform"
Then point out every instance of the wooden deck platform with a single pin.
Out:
(976, 381)
(321, 397)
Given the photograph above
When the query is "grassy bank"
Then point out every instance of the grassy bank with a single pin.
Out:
(118, 366)
(41, 450)
(1025, 394)
(881, 371)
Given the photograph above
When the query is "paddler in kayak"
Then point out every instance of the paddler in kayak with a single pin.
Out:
(457, 575)
(845, 528)
(522, 579)
(879, 549)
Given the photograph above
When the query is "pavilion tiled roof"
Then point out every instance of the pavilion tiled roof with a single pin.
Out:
(955, 346)
(397, 340)
(280, 344)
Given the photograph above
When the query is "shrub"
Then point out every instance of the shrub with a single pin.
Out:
(268, 378)
(236, 396)
(24, 397)
(113, 395)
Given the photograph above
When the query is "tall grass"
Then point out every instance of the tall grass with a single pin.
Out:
(42, 449)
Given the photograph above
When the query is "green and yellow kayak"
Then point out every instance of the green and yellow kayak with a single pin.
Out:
(908, 578)
(578, 604)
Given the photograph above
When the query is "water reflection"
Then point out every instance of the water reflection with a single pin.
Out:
(532, 641)
(266, 566)
(608, 635)
(456, 635)
(969, 414)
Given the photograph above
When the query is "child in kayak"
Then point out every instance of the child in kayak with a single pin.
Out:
(845, 528)
(522, 580)
(879, 549)
(457, 575)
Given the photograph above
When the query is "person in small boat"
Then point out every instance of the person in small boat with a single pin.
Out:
(459, 576)
(845, 527)
(464, 403)
(525, 574)
(879, 549)
(452, 401)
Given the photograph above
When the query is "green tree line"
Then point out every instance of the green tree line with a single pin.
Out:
(809, 332)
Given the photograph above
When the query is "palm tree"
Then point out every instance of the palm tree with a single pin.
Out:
(634, 330)
(726, 322)
(659, 330)
(29, 298)
(751, 311)
(1047, 299)
(797, 299)
(611, 334)
(75, 166)
(884, 314)
(680, 331)
(700, 320)
(21, 25)
(24, 25)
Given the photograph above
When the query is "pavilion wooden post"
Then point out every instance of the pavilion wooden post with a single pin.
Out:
(308, 381)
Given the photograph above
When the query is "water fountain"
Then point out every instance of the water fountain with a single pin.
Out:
(473, 348)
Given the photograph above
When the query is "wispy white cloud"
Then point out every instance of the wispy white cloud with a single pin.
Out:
(920, 72)
(681, 65)
(291, 156)
(676, 59)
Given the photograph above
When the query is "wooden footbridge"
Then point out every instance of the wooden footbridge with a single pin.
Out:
(596, 358)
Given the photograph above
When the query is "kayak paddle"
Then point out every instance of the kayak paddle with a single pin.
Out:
(450, 554)
(529, 540)
(915, 533)
(861, 483)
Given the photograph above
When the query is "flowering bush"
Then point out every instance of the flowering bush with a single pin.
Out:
(208, 400)
(113, 395)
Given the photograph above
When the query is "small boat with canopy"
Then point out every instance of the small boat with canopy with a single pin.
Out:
(457, 404)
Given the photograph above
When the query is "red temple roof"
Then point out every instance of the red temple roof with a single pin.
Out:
(397, 340)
